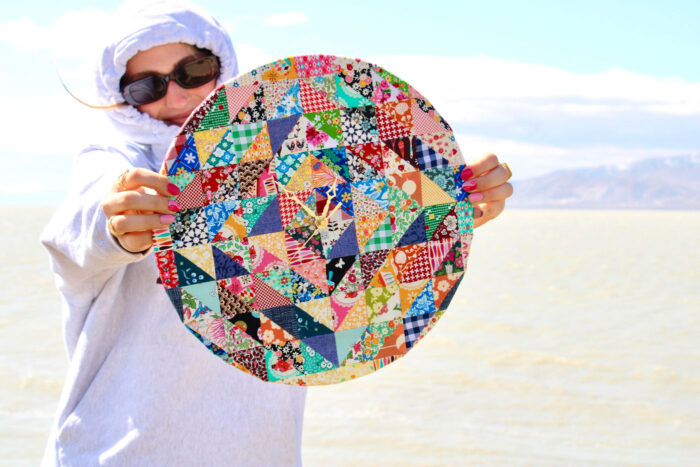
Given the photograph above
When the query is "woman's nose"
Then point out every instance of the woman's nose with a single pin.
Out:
(176, 96)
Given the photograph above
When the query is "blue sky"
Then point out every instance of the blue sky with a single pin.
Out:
(544, 84)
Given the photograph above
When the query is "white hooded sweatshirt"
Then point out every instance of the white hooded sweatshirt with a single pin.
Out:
(140, 389)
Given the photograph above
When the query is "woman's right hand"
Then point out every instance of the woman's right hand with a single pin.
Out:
(138, 204)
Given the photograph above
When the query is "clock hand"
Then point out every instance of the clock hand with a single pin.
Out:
(299, 202)
(329, 197)
(325, 218)
(335, 209)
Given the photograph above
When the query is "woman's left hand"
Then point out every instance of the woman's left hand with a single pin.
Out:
(488, 187)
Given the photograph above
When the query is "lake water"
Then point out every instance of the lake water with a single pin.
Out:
(574, 340)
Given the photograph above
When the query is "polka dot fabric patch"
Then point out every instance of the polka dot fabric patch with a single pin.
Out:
(324, 231)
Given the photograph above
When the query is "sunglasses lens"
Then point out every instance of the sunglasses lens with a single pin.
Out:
(196, 73)
(188, 75)
(145, 90)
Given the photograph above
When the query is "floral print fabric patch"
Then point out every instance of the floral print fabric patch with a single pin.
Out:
(324, 230)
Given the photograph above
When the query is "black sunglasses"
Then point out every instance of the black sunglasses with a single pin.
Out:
(188, 75)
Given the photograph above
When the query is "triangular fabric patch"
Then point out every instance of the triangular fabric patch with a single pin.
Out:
(426, 119)
(217, 116)
(267, 297)
(386, 275)
(312, 100)
(175, 296)
(450, 295)
(359, 169)
(224, 153)
(303, 178)
(413, 325)
(389, 128)
(187, 159)
(238, 96)
(347, 96)
(325, 345)
(434, 216)
(308, 326)
(415, 233)
(272, 242)
(289, 207)
(272, 333)
(217, 215)
(337, 268)
(371, 153)
(260, 148)
(295, 142)
(285, 317)
(427, 157)
(206, 142)
(253, 360)
(205, 294)
(381, 239)
(249, 323)
(424, 303)
(323, 175)
(356, 316)
(346, 340)
(236, 339)
(346, 244)
(447, 230)
(432, 194)
(321, 310)
(196, 233)
(249, 173)
(230, 303)
(279, 131)
(313, 271)
(244, 134)
(254, 111)
(418, 268)
(225, 266)
(286, 166)
(405, 149)
(411, 184)
(371, 262)
(269, 220)
(445, 144)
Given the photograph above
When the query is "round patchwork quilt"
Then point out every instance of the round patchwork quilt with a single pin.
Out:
(324, 230)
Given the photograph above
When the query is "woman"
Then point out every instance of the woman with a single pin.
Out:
(139, 389)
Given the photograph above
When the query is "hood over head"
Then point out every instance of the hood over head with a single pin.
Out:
(142, 26)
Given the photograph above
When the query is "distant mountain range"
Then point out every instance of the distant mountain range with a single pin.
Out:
(660, 183)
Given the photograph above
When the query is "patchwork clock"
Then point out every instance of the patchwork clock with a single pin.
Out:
(324, 230)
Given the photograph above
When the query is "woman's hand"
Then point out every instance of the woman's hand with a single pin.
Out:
(488, 187)
(139, 203)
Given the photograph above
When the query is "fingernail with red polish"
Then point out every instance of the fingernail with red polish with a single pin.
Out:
(466, 173)
(474, 197)
(167, 219)
(477, 213)
(173, 189)
(470, 185)
(174, 206)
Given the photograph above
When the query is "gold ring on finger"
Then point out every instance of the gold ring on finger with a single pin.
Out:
(111, 228)
(122, 179)
(505, 166)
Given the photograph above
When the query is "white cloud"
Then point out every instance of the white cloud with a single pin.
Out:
(460, 83)
(251, 57)
(74, 34)
(286, 19)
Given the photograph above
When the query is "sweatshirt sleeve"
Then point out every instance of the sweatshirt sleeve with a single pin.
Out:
(83, 254)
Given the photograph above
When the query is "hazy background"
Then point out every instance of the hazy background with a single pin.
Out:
(547, 85)
(574, 338)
